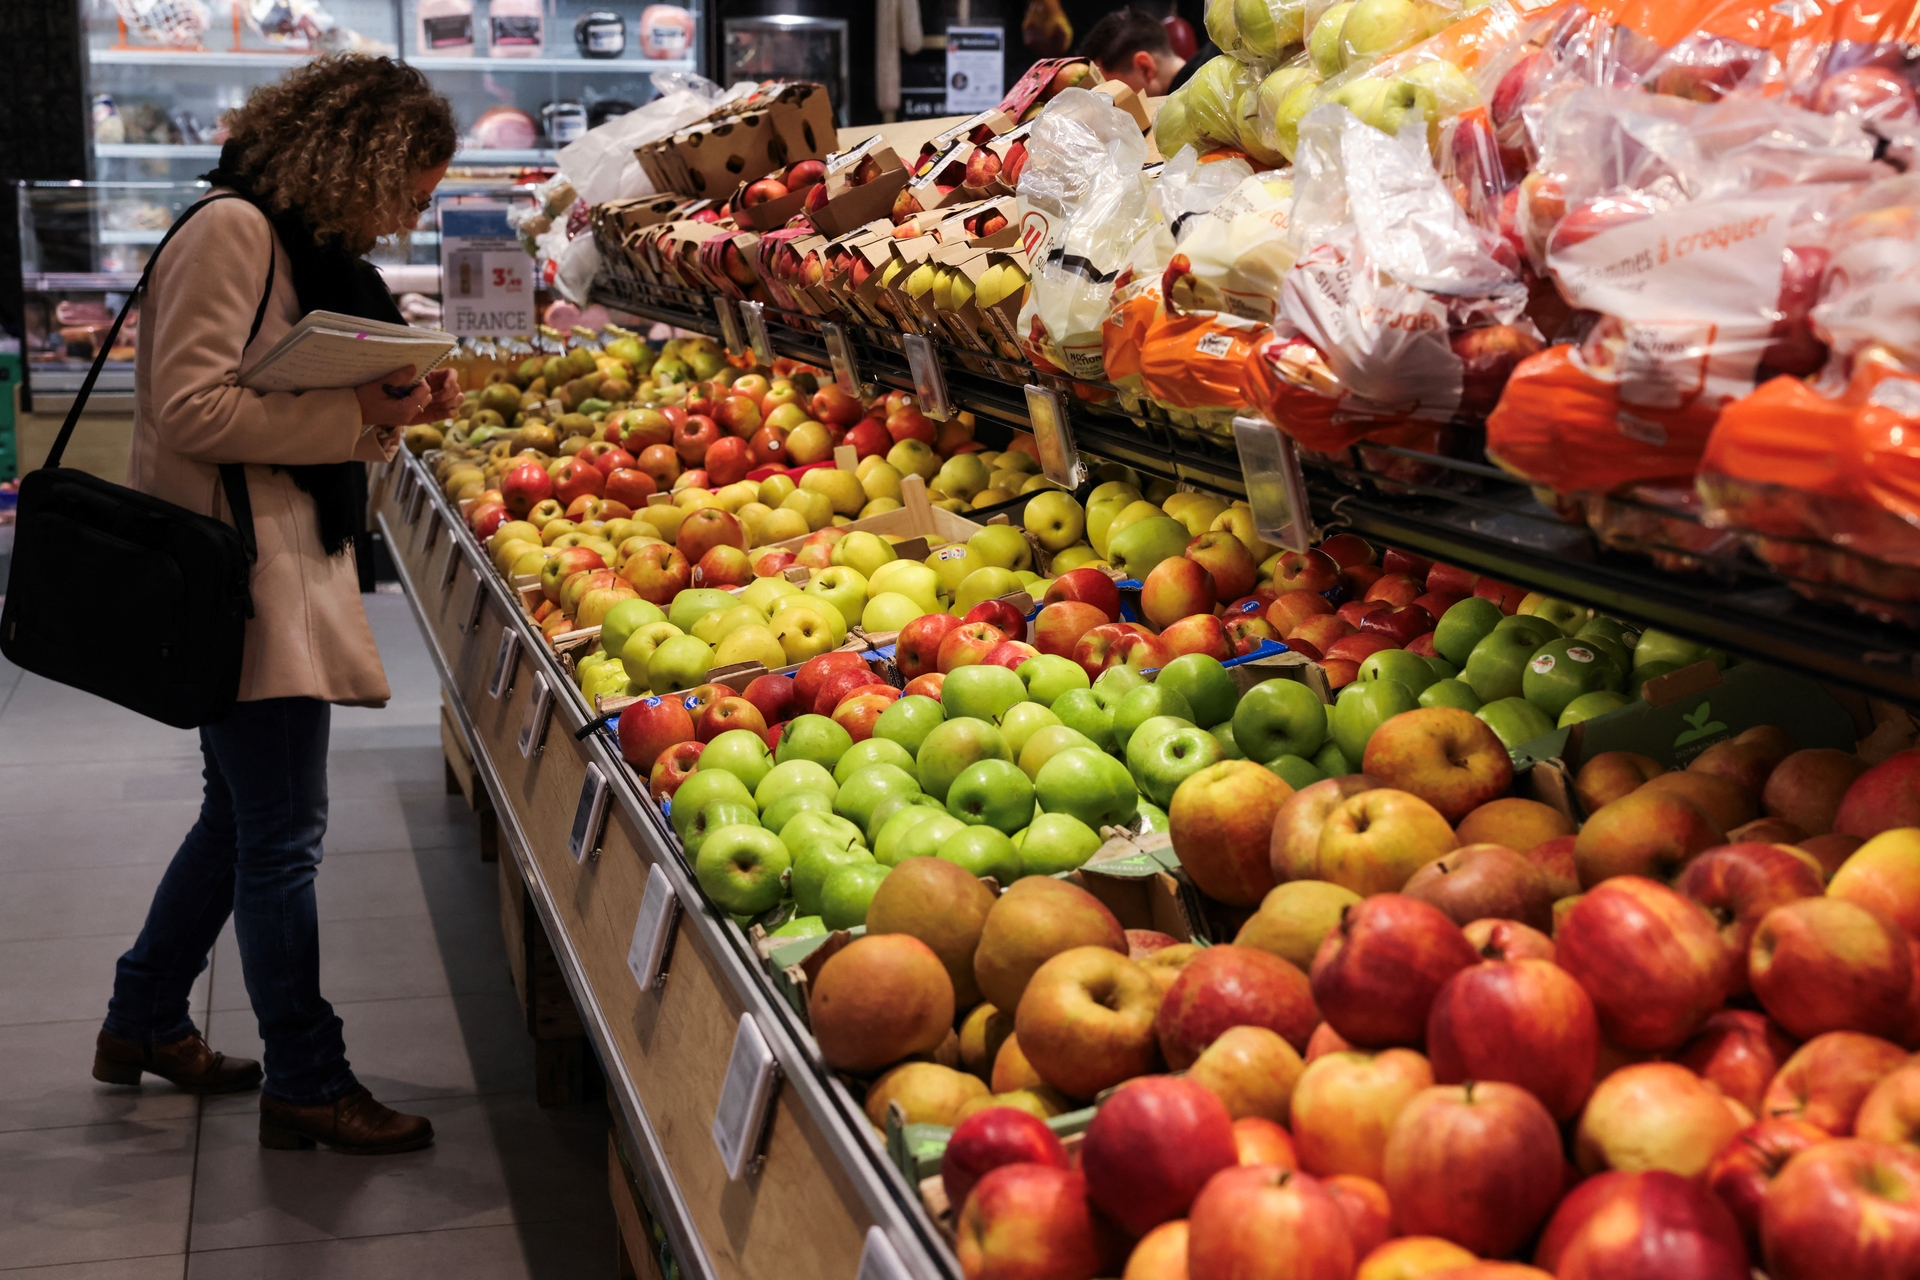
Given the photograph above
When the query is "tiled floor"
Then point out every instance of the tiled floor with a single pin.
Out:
(99, 1183)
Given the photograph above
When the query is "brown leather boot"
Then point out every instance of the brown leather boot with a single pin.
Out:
(354, 1124)
(187, 1064)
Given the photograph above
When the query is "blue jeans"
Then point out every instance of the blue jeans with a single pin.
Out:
(252, 855)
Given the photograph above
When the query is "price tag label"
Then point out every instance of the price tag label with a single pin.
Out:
(754, 316)
(416, 498)
(454, 556)
(479, 604)
(659, 908)
(505, 659)
(1059, 456)
(589, 815)
(433, 532)
(1275, 488)
(879, 1260)
(840, 352)
(928, 380)
(746, 1099)
(729, 324)
(533, 730)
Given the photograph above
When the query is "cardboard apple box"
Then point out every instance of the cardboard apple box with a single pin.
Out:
(1121, 94)
(916, 517)
(849, 204)
(910, 254)
(1041, 81)
(773, 214)
(774, 129)
(1003, 314)
(962, 323)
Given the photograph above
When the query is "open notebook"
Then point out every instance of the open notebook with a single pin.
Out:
(326, 349)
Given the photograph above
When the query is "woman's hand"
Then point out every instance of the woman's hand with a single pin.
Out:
(379, 409)
(444, 386)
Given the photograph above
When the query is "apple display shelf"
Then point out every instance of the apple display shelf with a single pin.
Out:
(756, 1159)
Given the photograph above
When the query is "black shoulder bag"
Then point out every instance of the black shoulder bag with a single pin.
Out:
(183, 578)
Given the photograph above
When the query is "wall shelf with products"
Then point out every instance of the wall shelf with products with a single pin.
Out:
(215, 58)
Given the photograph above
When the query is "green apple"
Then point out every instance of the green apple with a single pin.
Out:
(908, 578)
(1089, 785)
(863, 552)
(1151, 817)
(1539, 628)
(1435, 90)
(908, 721)
(1144, 704)
(1001, 546)
(993, 792)
(1323, 42)
(1497, 664)
(809, 828)
(815, 862)
(1590, 705)
(1045, 744)
(982, 691)
(1662, 646)
(848, 892)
(1161, 761)
(815, 738)
(1515, 720)
(890, 611)
(951, 565)
(704, 787)
(1441, 668)
(1566, 617)
(1295, 771)
(1376, 28)
(843, 588)
(1088, 712)
(762, 592)
(792, 777)
(624, 619)
(989, 583)
(741, 752)
(812, 607)
(1450, 693)
(801, 927)
(952, 746)
(1055, 520)
(713, 816)
(888, 809)
(1301, 96)
(1223, 734)
(605, 679)
(1620, 632)
(1465, 624)
(1080, 553)
(742, 868)
(1279, 717)
(1362, 708)
(1057, 842)
(717, 624)
(679, 663)
(863, 791)
(1120, 681)
(872, 751)
(1136, 549)
(1409, 669)
(791, 806)
(923, 839)
(1021, 721)
(695, 603)
(1332, 761)
(983, 851)
(1372, 102)
(640, 647)
(962, 475)
(1561, 670)
(1205, 684)
(1620, 655)
(888, 843)
(1050, 675)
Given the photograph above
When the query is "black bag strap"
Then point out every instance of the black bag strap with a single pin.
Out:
(233, 477)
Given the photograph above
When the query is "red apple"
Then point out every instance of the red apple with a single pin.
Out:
(723, 714)
(524, 487)
(1228, 986)
(1176, 588)
(774, 696)
(1088, 586)
(1401, 626)
(1117, 644)
(1060, 624)
(1396, 589)
(1258, 1140)
(1884, 797)
(1848, 1208)
(1508, 940)
(771, 564)
(728, 461)
(1827, 964)
(1446, 756)
(1743, 1172)
(648, 727)
(575, 476)
(1227, 561)
(1201, 633)
(723, 566)
(817, 670)
(1011, 654)
(1002, 615)
(1524, 1022)
(966, 644)
(1376, 975)
(1249, 633)
(1478, 1164)
(1828, 1078)
(1655, 1115)
(658, 572)
(1288, 611)
(768, 448)
(842, 684)
(1348, 550)
(1151, 1147)
(834, 406)
(869, 439)
(1358, 647)
(706, 528)
(661, 462)
(1651, 1226)
(926, 685)
(1028, 1221)
(1321, 630)
(1354, 612)
(1652, 961)
(1739, 1052)
(1504, 594)
(993, 1137)
(1739, 883)
(674, 766)
(630, 486)
(1264, 1222)
(917, 650)
(1808, 787)
(693, 437)
(1305, 571)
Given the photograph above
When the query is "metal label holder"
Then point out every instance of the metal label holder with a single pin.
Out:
(455, 553)
(1059, 455)
(729, 324)
(928, 380)
(754, 316)
(415, 499)
(1276, 490)
(505, 660)
(653, 931)
(746, 1100)
(840, 352)
(879, 1260)
(589, 815)
(533, 730)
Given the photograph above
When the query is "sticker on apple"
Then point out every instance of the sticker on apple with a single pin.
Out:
(1577, 654)
(1542, 664)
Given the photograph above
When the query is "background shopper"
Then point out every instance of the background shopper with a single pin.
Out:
(334, 156)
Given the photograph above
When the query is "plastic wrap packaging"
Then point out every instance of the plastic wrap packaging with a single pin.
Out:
(1267, 30)
(1210, 98)
(1398, 315)
(1083, 204)
(1676, 224)
(1280, 100)
(600, 163)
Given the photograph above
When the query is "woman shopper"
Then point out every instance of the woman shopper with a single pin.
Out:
(327, 160)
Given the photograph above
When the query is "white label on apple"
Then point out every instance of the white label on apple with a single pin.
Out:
(1577, 654)
(1542, 664)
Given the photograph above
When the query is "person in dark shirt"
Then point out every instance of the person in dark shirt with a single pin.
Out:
(1132, 47)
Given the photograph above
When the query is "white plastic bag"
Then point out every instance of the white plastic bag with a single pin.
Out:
(600, 163)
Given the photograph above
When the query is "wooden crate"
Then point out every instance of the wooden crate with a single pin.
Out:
(639, 1255)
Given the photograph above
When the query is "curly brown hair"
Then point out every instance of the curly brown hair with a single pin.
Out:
(340, 138)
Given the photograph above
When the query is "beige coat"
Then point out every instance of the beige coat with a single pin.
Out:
(309, 635)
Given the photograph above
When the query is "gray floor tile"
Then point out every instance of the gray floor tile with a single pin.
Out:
(46, 722)
(95, 1193)
(445, 881)
(160, 1267)
(98, 835)
(411, 767)
(374, 823)
(46, 1068)
(58, 979)
(495, 1161)
(384, 959)
(33, 787)
(77, 902)
(406, 1050)
(535, 1251)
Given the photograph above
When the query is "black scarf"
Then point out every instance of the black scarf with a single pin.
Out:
(327, 276)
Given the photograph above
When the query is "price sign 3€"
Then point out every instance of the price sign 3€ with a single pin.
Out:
(486, 278)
